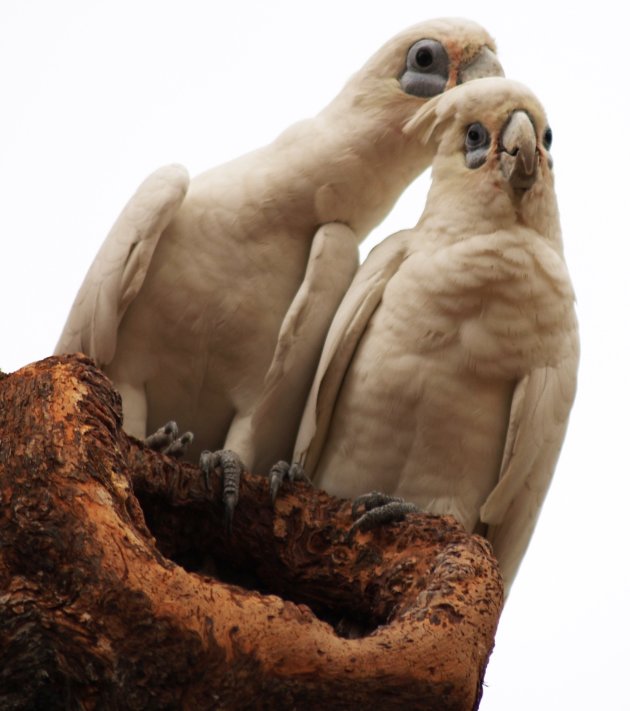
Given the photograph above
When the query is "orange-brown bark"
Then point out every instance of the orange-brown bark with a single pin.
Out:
(94, 613)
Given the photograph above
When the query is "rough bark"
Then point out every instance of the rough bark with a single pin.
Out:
(95, 613)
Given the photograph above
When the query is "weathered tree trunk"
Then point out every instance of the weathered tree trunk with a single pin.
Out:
(94, 613)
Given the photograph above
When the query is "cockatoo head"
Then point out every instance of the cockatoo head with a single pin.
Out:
(492, 142)
(423, 61)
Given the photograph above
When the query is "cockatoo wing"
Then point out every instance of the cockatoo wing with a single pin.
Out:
(346, 330)
(121, 264)
(333, 262)
(538, 421)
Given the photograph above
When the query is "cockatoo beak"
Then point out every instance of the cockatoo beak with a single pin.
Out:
(484, 64)
(519, 153)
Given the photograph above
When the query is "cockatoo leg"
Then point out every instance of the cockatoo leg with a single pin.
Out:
(282, 471)
(379, 509)
(231, 468)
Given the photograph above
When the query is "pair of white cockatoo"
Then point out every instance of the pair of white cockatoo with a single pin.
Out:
(442, 370)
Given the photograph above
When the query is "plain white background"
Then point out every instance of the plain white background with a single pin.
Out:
(95, 96)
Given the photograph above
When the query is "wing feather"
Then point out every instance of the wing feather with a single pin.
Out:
(538, 422)
(346, 330)
(333, 261)
(120, 266)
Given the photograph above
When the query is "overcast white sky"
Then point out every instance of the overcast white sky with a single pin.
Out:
(96, 95)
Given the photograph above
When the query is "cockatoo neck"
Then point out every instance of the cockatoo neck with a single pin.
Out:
(369, 159)
(481, 201)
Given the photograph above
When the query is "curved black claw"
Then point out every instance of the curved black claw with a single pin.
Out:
(231, 468)
(379, 509)
(282, 471)
(167, 441)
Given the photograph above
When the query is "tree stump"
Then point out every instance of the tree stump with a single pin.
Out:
(120, 588)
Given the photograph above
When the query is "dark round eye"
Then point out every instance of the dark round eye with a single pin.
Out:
(477, 145)
(428, 55)
(547, 138)
(426, 68)
(476, 136)
(424, 57)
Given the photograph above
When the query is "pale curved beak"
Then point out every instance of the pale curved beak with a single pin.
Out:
(519, 153)
(484, 64)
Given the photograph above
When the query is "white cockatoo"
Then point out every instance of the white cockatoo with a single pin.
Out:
(209, 301)
(449, 370)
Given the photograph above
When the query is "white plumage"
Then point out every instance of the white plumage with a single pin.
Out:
(449, 371)
(209, 302)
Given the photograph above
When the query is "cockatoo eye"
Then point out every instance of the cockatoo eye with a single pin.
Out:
(547, 138)
(428, 55)
(427, 67)
(476, 144)
(476, 136)
(424, 58)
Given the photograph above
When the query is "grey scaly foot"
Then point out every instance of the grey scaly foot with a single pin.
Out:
(178, 447)
(231, 468)
(379, 509)
(280, 472)
(167, 441)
